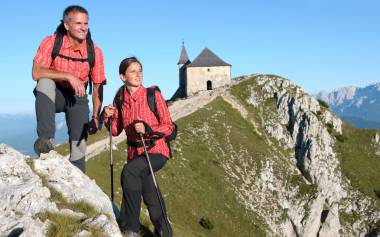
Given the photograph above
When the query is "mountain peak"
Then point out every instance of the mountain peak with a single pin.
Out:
(359, 104)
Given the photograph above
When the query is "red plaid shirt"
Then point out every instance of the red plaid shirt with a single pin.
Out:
(136, 108)
(78, 69)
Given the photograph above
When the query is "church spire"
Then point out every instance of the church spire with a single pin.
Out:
(183, 59)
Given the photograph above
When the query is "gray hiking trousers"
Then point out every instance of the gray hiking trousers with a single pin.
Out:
(52, 99)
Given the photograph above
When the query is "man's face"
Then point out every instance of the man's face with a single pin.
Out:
(77, 25)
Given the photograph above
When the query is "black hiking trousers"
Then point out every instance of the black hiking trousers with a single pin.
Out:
(137, 181)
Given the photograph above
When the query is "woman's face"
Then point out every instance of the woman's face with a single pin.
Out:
(133, 75)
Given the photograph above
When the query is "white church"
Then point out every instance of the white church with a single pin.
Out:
(206, 72)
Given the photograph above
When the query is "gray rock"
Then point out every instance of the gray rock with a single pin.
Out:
(75, 186)
(104, 224)
(23, 195)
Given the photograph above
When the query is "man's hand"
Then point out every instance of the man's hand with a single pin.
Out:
(93, 126)
(76, 84)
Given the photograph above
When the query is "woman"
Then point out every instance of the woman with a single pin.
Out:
(136, 118)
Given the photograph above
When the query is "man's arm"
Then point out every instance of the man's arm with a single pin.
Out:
(97, 100)
(39, 71)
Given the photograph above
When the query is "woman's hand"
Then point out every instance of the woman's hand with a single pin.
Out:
(140, 128)
(108, 111)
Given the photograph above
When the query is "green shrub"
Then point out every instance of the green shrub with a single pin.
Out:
(377, 192)
(206, 223)
(340, 137)
(330, 127)
(323, 104)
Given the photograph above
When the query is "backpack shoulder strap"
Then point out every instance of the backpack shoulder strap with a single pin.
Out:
(90, 51)
(90, 58)
(151, 97)
(59, 32)
(57, 46)
(119, 98)
(118, 101)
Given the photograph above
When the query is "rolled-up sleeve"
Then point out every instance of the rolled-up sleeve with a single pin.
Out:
(43, 56)
(117, 122)
(98, 74)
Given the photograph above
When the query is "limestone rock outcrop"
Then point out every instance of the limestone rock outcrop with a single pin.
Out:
(26, 187)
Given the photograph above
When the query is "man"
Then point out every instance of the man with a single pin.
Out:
(62, 81)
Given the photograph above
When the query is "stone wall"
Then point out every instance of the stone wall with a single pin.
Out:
(197, 78)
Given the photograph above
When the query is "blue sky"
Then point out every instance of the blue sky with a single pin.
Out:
(318, 44)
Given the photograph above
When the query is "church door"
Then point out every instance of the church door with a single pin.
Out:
(209, 85)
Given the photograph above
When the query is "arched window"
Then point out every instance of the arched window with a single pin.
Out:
(209, 85)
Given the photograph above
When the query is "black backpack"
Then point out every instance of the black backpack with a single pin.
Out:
(60, 32)
(151, 98)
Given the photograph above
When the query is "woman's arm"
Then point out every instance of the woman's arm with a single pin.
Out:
(165, 125)
(117, 122)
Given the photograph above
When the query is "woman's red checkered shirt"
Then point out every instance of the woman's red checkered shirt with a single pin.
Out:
(78, 69)
(136, 108)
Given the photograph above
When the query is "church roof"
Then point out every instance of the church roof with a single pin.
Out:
(183, 59)
(207, 59)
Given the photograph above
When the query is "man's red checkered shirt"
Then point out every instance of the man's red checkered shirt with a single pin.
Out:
(78, 69)
(136, 108)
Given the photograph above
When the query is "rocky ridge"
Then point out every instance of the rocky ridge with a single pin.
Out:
(26, 192)
(299, 123)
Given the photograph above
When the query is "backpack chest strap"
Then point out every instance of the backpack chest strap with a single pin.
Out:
(73, 59)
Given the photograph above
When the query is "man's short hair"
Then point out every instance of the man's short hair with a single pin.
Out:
(73, 8)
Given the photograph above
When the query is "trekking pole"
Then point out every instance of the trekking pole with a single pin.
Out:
(156, 186)
(111, 161)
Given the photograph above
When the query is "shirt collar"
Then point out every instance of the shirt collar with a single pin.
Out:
(138, 93)
(66, 44)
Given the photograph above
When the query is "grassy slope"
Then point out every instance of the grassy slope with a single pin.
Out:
(194, 182)
(63, 149)
(359, 161)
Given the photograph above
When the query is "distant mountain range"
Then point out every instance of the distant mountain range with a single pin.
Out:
(19, 131)
(357, 106)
